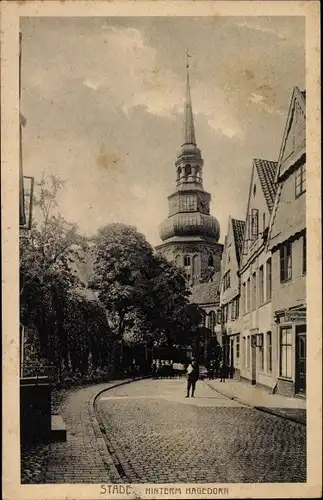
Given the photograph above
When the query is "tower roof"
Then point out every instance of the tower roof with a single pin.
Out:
(189, 130)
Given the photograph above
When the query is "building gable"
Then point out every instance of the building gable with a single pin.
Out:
(230, 263)
(294, 137)
(262, 192)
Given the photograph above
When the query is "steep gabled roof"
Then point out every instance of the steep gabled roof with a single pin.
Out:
(300, 97)
(238, 227)
(266, 172)
(206, 293)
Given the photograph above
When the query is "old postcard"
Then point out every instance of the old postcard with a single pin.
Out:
(161, 293)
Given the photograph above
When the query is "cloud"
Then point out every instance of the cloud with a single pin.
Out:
(260, 101)
(91, 85)
(263, 29)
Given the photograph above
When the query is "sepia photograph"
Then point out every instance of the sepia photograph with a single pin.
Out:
(163, 252)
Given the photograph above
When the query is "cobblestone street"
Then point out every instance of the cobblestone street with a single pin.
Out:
(156, 435)
(147, 431)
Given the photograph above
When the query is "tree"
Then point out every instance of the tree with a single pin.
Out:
(69, 326)
(144, 295)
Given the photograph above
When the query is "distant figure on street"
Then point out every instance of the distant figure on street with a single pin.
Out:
(192, 377)
(223, 371)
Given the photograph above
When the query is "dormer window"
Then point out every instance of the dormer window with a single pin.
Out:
(254, 189)
(211, 261)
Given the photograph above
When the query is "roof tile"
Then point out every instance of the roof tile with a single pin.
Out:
(238, 234)
(266, 171)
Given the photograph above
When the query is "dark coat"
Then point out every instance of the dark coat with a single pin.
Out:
(194, 375)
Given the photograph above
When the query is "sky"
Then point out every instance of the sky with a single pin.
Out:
(104, 100)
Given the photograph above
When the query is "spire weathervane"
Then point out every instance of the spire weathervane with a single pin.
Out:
(189, 132)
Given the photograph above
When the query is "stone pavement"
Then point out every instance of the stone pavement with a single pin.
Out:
(147, 431)
(83, 458)
(262, 399)
(156, 435)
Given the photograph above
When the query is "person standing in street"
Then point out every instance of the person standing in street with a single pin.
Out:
(223, 370)
(192, 377)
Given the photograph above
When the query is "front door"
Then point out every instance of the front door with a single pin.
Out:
(301, 359)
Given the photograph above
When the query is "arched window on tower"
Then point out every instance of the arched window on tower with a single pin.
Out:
(211, 261)
(195, 268)
(188, 170)
(179, 173)
(187, 261)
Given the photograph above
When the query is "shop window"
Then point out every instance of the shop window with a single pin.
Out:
(269, 352)
(268, 279)
(238, 346)
(248, 351)
(300, 180)
(286, 352)
(304, 256)
(286, 261)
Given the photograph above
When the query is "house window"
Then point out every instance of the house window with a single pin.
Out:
(248, 295)
(243, 347)
(233, 309)
(268, 279)
(261, 285)
(238, 347)
(261, 352)
(286, 352)
(254, 224)
(304, 255)
(254, 291)
(187, 261)
(226, 281)
(212, 321)
(269, 352)
(243, 298)
(237, 307)
(286, 262)
(300, 180)
(263, 222)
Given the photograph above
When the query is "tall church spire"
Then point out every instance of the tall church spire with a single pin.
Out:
(189, 130)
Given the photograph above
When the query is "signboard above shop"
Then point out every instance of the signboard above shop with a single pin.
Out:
(295, 316)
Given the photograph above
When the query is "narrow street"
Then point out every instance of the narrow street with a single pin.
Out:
(156, 435)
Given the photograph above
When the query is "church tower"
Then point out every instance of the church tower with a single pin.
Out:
(190, 234)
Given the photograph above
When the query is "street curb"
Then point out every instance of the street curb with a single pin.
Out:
(103, 448)
(264, 409)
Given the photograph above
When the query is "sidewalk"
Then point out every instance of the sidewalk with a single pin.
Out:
(83, 458)
(262, 399)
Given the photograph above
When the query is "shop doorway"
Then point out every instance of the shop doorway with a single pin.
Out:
(301, 359)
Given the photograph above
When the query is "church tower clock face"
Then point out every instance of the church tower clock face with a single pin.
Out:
(190, 234)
